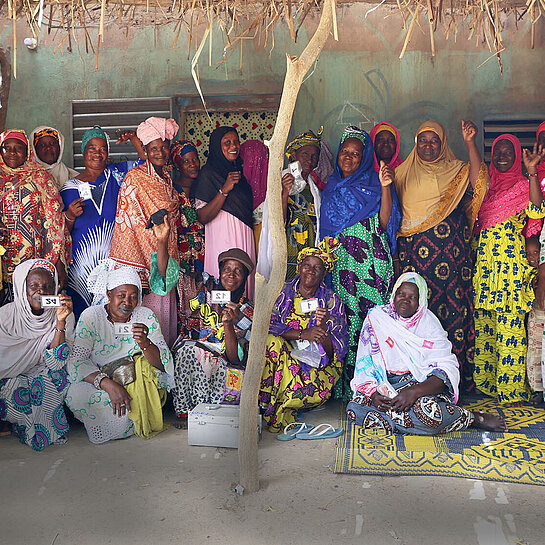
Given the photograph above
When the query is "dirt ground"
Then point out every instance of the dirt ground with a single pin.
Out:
(161, 491)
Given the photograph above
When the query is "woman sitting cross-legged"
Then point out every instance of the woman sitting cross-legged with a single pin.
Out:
(33, 353)
(406, 379)
(119, 375)
(289, 383)
(212, 354)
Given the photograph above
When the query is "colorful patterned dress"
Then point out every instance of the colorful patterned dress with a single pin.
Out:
(502, 283)
(362, 278)
(92, 231)
(288, 385)
(442, 255)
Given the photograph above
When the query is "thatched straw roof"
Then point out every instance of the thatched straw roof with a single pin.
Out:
(240, 20)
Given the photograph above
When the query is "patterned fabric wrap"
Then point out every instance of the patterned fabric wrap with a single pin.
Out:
(534, 357)
(45, 265)
(154, 128)
(255, 157)
(336, 325)
(47, 131)
(143, 192)
(95, 132)
(105, 277)
(233, 386)
(178, 148)
(325, 251)
(16, 134)
(308, 138)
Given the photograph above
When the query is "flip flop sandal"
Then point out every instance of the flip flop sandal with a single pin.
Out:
(291, 430)
(321, 431)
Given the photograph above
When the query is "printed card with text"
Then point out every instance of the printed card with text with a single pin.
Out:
(309, 305)
(123, 329)
(85, 191)
(220, 296)
(51, 301)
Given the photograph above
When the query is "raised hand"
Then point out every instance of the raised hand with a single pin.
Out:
(162, 231)
(469, 131)
(532, 158)
(65, 309)
(386, 174)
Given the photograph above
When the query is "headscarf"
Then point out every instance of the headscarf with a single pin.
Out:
(58, 169)
(25, 336)
(420, 283)
(418, 344)
(156, 127)
(95, 132)
(509, 192)
(304, 139)
(395, 161)
(255, 157)
(325, 251)
(105, 277)
(178, 148)
(347, 201)
(212, 176)
(16, 134)
(430, 190)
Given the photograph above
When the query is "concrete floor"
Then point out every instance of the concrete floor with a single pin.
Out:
(163, 491)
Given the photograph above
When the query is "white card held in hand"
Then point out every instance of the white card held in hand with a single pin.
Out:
(309, 305)
(220, 296)
(123, 329)
(51, 301)
(85, 191)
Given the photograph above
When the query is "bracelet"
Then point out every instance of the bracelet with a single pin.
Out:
(534, 175)
(222, 193)
(67, 218)
(300, 335)
(60, 330)
(98, 380)
(147, 347)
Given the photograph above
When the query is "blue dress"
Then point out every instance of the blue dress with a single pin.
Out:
(92, 231)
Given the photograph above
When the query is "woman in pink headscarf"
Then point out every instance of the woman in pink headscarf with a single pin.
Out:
(146, 189)
(502, 276)
(386, 144)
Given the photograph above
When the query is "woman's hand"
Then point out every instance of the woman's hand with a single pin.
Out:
(469, 131)
(532, 158)
(232, 179)
(125, 135)
(64, 310)
(386, 174)
(229, 313)
(287, 184)
(162, 231)
(382, 403)
(75, 209)
(119, 397)
(140, 335)
(314, 333)
(404, 399)
(322, 316)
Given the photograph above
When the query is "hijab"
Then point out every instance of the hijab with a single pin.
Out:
(430, 190)
(239, 202)
(395, 161)
(25, 336)
(509, 192)
(255, 156)
(58, 169)
(347, 201)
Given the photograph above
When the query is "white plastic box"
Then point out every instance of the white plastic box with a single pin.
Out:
(212, 425)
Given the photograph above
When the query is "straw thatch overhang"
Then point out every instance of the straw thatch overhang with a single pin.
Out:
(240, 20)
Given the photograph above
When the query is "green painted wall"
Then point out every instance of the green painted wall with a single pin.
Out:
(362, 68)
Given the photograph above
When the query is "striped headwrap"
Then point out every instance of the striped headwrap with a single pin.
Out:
(45, 265)
(178, 148)
(352, 131)
(45, 132)
(325, 251)
(304, 139)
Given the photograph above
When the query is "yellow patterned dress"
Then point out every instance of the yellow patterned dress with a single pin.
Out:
(286, 384)
(503, 295)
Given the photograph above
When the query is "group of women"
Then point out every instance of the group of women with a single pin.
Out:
(157, 258)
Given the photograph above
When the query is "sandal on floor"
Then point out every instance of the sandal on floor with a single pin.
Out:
(321, 431)
(291, 430)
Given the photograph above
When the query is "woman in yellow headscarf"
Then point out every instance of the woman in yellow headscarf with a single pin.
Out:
(440, 197)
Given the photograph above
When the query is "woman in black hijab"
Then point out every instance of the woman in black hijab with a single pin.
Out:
(224, 202)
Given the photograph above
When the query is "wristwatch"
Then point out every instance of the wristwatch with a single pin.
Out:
(98, 379)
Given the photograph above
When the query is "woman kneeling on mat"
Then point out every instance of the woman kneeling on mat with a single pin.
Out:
(406, 378)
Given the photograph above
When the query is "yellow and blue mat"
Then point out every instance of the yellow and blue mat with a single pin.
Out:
(515, 456)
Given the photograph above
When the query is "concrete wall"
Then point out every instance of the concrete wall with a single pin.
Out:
(362, 68)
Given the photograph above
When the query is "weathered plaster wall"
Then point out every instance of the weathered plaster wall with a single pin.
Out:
(362, 68)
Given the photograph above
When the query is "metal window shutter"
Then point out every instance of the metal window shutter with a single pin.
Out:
(523, 126)
(111, 115)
